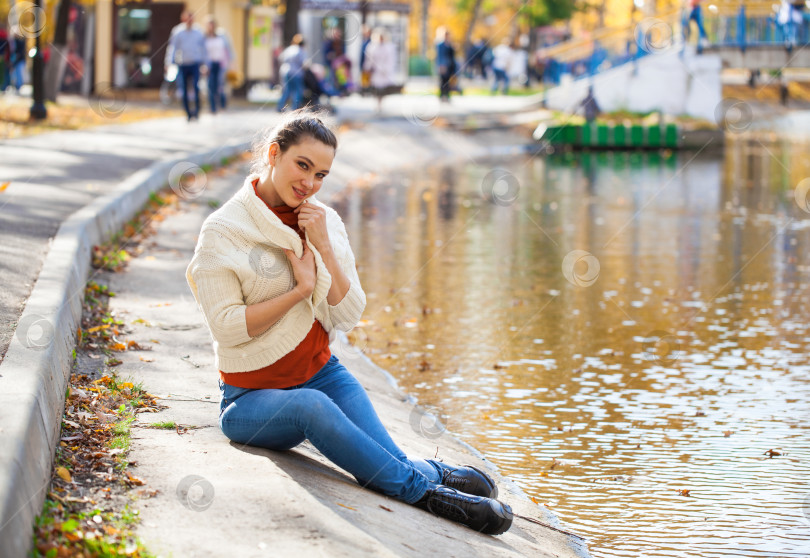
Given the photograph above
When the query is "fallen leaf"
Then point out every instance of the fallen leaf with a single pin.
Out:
(772, 453)
(386, 509)
(683, 492)
(345, 506)
(135, 480)
(727, 433)
(145, 359)
(64, 474)
(3, 186)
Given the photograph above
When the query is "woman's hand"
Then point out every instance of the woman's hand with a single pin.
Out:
(303, 271)
(312, 220)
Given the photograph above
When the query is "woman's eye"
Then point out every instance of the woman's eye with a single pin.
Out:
(302, 165)
(320, 176)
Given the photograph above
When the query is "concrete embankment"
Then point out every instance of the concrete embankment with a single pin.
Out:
(214, 498)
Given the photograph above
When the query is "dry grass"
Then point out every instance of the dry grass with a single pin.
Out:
(75, 113)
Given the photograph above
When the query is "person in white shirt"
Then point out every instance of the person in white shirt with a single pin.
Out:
(381, 61)
(217, 52)
(501, 63)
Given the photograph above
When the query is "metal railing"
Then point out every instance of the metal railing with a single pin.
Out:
(727, 23)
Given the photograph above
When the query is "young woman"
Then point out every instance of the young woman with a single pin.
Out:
(274, 275)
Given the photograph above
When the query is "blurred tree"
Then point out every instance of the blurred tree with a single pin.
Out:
(291, 9)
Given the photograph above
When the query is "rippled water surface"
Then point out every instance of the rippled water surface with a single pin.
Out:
(653, 388)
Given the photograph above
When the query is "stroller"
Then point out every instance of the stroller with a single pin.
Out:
(316, 87)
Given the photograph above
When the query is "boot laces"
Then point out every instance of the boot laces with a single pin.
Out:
(452, 505)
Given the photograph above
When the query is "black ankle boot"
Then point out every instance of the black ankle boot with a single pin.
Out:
(485, 515)
(466, 479)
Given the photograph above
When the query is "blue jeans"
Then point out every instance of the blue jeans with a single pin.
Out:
(214, 83)
(293, 87)
(332, 410)
(190, 72)
(500, 77)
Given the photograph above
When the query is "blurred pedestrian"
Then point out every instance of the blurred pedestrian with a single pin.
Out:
(501, 62)
(187, 50)
(5, 59)
(790, 20)
(17, 56)
(446, 63)
(696, 15)
(274, 275)
(217, 56)
(292, 73)
(228, 68)
(589, 106)
(518, 69)
(381, 61)
(365, 75)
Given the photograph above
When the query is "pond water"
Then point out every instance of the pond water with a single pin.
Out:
(624, 335)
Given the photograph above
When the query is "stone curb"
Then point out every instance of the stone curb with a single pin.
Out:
(35, 372)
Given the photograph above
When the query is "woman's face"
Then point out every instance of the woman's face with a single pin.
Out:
(298, 173)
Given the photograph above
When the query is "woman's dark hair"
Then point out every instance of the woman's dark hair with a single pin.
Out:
(292, 130)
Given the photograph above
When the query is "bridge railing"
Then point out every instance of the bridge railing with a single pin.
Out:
(727, 23)
(752, 24)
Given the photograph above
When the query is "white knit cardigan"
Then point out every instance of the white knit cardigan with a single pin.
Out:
(239, 261)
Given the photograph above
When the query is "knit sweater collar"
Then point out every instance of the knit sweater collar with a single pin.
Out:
(267, 222)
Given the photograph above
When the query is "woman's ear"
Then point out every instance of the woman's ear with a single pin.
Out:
(272, 153)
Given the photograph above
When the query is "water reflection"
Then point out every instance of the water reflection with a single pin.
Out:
(652, 389)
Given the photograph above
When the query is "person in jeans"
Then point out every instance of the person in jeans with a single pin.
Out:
(292, 73)
(502, 56)
(274, 275)
(187, 50)
(217, 55)
(446, 63)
